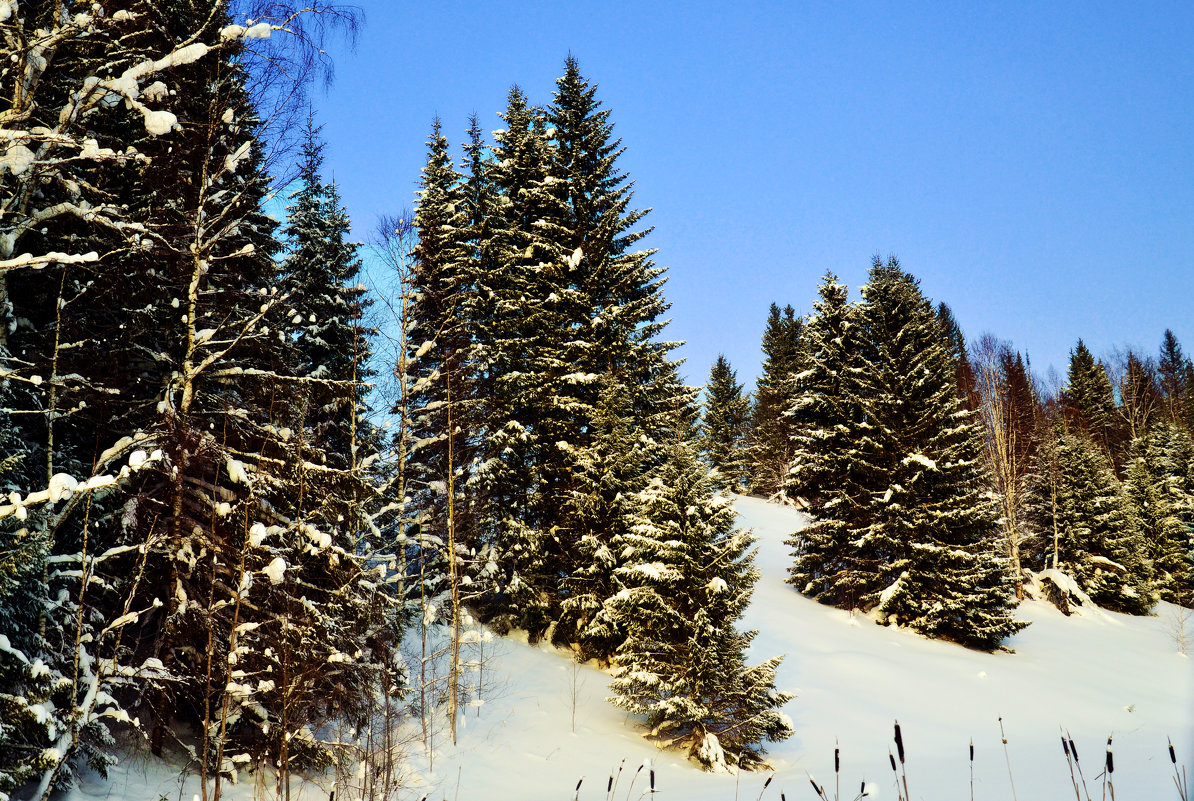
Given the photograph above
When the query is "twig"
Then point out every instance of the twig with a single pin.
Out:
(1007, 757)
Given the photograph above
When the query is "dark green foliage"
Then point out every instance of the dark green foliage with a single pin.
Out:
(1088, 527)
(908, 531)
(522, 473)
(724, 424)
(603, 505)
(822, 418)
(685, 579)
(1087, 398)
(771, 430)
(964, 372)
(331, 341)
(179, 387)
(1172, 370)
(1160, 485)
(566, 307)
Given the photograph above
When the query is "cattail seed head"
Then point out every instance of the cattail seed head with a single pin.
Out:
(1073, 749)
(769, 778)
(609, 785)
(1110, 758)
(816, 789)
(652, 779)
(899, 740)
(579, 783)
(1065, 747)
(1172, 756)
(892, 759)
(972, 750)
(837, 761)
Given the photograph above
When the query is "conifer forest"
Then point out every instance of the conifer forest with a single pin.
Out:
(277, 504)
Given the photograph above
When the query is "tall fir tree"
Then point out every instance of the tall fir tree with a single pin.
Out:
(724, 424)
(1160, 485)
(183, 388)
(526, 411)
(770, 452)
(1088, 399)
(687, 577)
(921, 547)
(1171, 372)
(331, 340)
(439, 336)
(603, 505)
(964, 371)
(822, 417)
(616, 291)
(1088, 527)
(925, 517)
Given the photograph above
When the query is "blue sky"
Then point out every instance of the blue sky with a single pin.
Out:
(1031, 163)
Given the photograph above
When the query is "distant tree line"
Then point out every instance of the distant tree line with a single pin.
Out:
(944, 480)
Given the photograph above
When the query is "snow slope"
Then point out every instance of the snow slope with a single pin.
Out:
(1096, 675)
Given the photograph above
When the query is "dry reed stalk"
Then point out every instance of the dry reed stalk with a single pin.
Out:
(1007, 757)
(899, 741)
(972, 770)
(1179, 779)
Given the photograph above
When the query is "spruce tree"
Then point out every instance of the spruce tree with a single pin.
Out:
(913, 531)
(522, 473)
(440, 365)
(331, 342)
(1160, 485)
(770, 452)
(687, 577)
(1171, 370)
(957, 350)
(1090, 530)
(613, 291)
(822, 416)
(183, 398)
(925, 519)
(1088, 399)
(724, 424)
(602, 507)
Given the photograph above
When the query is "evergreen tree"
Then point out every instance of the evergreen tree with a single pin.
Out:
(957, 349)
(910, 533)
(1090, 530)
(1087, 398)
(1160, 485)
(1171, 370)
(603, 505)
(183, 407)
(724, 424)
(331, 342)
(616, 292)
(440, 365)
(687, 577)
(923, 519)
(822, 417)
(770, 451)
(522, 473)
(568, 307)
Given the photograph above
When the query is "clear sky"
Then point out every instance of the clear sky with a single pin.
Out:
(1031, 163)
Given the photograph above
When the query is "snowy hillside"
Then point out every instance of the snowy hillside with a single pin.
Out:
(1097, 675)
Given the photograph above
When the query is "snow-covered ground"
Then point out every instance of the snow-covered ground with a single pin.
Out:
(1094, 675)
